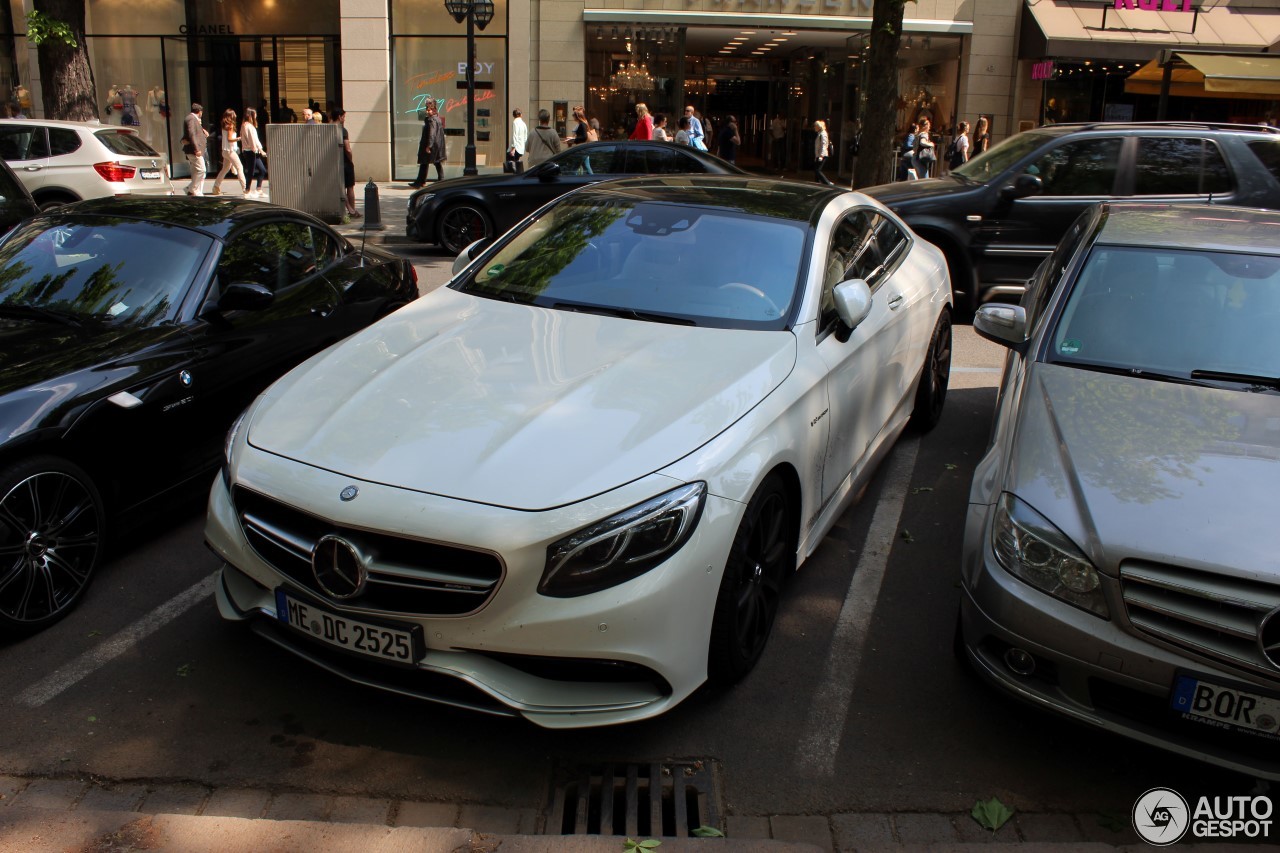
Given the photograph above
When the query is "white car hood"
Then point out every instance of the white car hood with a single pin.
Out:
(513, 405)
(1133, 468)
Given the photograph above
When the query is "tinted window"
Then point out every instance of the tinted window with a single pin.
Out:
(1268, 151)
(275, 255)
(1046, 279)
(1179, 167)
(864, 245)
(660, 160)
(125, 142)
(22, 142)
(1173, 311)
(1001, 156)
(644, 260)
(127, 272)
(592, 161)
(63, 141)
(1082, 167)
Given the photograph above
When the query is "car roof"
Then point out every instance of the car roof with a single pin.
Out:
(793, 200)
(1154, 127)
(90, 126)
(704, 156)
(1191, 226)
(217, 217)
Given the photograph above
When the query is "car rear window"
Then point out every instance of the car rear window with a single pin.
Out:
(1268, 151)
(125, 142)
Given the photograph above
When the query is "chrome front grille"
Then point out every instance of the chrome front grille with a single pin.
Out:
(407, 576)
(1207, 614)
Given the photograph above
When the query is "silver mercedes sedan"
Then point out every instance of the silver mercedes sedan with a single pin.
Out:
(1122, 553)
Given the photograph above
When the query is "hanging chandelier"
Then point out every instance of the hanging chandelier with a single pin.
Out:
(632, 78)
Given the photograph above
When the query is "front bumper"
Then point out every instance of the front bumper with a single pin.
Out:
(492, 659)
(1096, 671)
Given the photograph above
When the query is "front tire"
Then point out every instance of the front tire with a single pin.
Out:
(461, 225)
(935, 376)
(51, 536)
(761, 558)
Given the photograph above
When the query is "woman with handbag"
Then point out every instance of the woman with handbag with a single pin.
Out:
(821, 151)
(230, 159)
(644, 123)
(926, 150)
(253, 154)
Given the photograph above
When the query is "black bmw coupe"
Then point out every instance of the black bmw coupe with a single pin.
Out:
(132, 332)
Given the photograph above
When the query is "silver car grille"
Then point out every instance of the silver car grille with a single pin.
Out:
(406, 576)
(1205, 613)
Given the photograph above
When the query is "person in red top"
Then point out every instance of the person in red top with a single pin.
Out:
(644, 123)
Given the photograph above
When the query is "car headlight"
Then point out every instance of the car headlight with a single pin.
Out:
(622, 547)
(230, 443)
(1031, 548)
(419, 200)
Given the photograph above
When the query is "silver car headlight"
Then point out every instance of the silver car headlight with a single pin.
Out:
(231, 436)
(624, 546)
(1031, 548)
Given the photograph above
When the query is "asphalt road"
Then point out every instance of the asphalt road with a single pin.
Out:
(869, 712)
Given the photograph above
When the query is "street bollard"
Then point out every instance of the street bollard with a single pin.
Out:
(372, 209)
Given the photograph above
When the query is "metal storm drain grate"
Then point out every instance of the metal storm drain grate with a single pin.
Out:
(669, 799)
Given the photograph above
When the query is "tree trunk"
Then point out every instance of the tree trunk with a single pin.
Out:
(876, 153)
(66, 80)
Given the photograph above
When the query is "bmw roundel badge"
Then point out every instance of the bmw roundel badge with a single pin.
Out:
(349, 493)
(185, 378)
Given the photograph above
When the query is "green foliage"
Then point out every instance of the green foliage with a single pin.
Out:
(991, 814)
(631, 845)
(41, 28)
(708, 832)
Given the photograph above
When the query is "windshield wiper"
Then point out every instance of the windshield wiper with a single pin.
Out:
(1140, 373)
(36, 312)
(625, 313)
(1258, 382)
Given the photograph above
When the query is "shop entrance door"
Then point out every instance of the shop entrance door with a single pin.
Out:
(223, 80)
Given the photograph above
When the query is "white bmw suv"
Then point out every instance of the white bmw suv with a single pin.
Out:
(66, 161)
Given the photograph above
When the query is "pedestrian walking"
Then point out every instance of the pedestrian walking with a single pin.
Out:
(543, 142)
(682, 132)
(981, 136)
(907, 158)
(252, 154)
(519, 139)
(437, 146)
(730, 140)
(194, 140)
(644, 123)
(230, 159)
(926, 150)
(581, 130)
(696, 136)
(821, 151)
(778, 135)
(339, 116)
(660, 128)
(958, 150)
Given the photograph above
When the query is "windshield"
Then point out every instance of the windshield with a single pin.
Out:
(99, 269)
(1187, 314)
(651, 260)
(997, 159)
(126, 142)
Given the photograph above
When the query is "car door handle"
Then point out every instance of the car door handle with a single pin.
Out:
(895, 303)
(34, 168)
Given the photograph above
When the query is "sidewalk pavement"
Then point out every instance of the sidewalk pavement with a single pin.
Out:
(91, 815)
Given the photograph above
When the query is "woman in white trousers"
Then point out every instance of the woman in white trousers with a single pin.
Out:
(230, 159)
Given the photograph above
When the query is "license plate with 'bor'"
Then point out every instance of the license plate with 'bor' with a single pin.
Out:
(1226, 707)
(149, 174)
(376, 641)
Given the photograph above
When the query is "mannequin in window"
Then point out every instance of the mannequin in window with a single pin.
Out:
(128, 97)
(157, 112)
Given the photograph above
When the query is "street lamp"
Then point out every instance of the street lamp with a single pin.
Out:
(478, 13)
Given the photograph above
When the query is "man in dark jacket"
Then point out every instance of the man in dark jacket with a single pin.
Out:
(431, 146)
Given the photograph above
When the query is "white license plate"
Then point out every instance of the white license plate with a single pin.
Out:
(1225, 707)
(149, 174)
(375, 641)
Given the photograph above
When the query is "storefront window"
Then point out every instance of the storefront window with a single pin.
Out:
(436, 69)
(409, 17)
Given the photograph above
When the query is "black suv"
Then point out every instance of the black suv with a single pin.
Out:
(997, 216)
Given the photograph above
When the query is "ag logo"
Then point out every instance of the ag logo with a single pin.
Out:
(1161, 817)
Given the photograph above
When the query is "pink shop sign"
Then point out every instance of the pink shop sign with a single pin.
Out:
(1156, 5)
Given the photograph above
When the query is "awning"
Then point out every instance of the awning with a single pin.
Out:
(1215, 75)
(1074, 29)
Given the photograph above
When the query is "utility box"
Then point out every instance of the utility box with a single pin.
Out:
(305, 163)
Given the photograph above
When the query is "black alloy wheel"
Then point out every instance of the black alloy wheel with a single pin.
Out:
(51, 534)
(931, 393)
(761, 559)
(461, 225)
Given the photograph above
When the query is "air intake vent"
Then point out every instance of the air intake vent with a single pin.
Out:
(668, 800)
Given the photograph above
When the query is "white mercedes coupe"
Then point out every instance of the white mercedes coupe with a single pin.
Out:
(571, 485)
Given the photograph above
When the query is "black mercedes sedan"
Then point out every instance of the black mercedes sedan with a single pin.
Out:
(132, 332)
(455, 213)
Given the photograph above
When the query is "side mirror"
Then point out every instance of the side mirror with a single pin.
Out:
(549, 172)
(1023, 186)
(245, 296)
(1003, 324)
(466, 256)
(853, 302)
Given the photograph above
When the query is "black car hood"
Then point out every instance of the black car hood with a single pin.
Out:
(475, 181)
(918, 195)
(44, 368)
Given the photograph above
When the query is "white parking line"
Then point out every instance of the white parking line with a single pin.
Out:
(816, 755)
(977, 369)
(50, 686)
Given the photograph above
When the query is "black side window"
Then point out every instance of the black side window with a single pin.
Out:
(275, 255)
(63, 141)
(1179, 166)
(664, 161)
(863, 246)
(584, 161)
(1083, 167)
(1266, 150)
(1045, 282)
(326, 248)
(23, 142)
